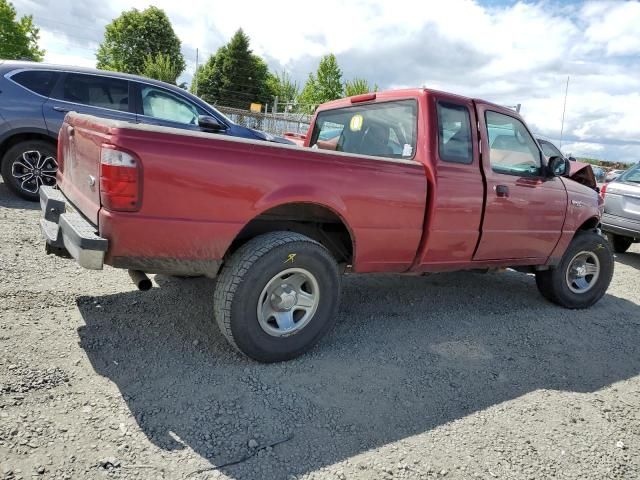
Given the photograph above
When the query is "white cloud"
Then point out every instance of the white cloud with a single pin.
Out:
(509, 53)
(613, 26)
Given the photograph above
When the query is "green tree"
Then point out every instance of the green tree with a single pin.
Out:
(161, 68)
(234, 76)
(358, 86)
(282, 86)
(18, 38)
(324, 86)
(134, 36)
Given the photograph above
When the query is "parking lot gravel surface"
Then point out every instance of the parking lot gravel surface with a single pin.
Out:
(460, 375)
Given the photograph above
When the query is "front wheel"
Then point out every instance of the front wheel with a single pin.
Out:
(27, 166)
(620, 244)
(583, 275)
(277, 296)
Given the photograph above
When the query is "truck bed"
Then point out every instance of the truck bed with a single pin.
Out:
(200, 190)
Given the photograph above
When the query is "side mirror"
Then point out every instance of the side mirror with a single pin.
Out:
(558, 167)
(209, 124)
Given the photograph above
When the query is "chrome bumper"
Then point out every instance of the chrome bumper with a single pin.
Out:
(67, 233)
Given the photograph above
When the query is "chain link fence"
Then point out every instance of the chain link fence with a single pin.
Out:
(274, 123)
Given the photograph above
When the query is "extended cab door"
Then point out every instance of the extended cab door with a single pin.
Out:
(455, 205)
(524, 209)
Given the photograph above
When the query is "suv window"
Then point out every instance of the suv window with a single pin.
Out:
(549, 149)
(454, 133)
(631, 175)
(512, 149)
(159, 103)
(96, 91)
(386, 129)
(38, 81)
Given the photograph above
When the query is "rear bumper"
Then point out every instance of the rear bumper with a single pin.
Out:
(67, 233)
(620, 226)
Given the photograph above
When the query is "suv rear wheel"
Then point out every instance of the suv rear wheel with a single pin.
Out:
(619, 243)
(27, 166)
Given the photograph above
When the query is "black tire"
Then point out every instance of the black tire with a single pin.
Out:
(619, 243)
(553, 283)
(29, 189)
(247, 273)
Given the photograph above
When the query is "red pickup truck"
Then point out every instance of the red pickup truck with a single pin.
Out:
(403, 181)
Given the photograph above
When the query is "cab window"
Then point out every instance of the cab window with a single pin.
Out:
(161, 104)
(454, 133)
(512, 150)
(386, 129)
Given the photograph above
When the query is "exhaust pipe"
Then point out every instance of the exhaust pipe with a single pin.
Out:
(140, 279)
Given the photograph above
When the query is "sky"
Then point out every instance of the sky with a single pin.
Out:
(507, 52)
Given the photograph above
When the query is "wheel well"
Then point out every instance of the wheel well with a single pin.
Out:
(590, 224)
(22, 137)
(315, 221)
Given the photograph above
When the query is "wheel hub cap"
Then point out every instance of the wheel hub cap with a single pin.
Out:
(285, 299)
(33, 169)
(583, 272)
(288, 302)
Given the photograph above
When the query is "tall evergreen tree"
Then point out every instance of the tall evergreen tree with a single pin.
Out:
(234, 76)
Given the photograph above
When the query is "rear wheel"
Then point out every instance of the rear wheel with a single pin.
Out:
(619, 243)
(27, 166)
(277, 296)
(583, 275)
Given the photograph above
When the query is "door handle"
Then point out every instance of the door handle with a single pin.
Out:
(502, 191)
(58, 108)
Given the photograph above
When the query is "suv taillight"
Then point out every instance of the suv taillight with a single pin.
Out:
(603, 191)
(119, 180)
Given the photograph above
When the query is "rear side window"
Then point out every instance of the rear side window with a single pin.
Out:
(38, 81)
(96, 91)
(386, 129)
(454, 133)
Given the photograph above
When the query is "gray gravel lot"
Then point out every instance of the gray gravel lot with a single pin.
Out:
(447, 376)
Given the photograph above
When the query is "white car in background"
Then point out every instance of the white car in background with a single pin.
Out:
(621, 219)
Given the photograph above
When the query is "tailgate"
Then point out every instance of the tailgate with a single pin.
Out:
(623, 199)
(79, 144)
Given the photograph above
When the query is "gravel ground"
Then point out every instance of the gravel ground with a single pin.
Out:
(447, 376)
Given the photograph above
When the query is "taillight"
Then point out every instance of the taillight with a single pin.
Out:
(603, 191)
(119, 180)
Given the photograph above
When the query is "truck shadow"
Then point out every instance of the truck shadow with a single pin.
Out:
(408, 354)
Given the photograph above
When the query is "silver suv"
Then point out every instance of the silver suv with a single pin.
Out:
(621, 219)
(35, 97)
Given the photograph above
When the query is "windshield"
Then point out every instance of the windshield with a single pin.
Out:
(632, 175)
(386, 129)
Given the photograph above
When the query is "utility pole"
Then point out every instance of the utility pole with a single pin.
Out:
(564, 109)
(195, 76)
